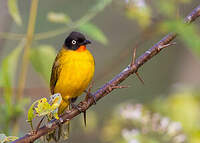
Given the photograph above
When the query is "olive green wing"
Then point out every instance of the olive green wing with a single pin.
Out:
(55, 72)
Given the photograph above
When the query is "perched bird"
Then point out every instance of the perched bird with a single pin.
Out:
(73, 70)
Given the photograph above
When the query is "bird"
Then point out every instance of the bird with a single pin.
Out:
(72, 70)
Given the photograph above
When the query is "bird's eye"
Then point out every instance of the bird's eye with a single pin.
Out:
(73, 42)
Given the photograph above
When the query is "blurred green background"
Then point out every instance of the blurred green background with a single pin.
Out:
(165, 109)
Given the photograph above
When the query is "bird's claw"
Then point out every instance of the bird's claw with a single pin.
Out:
(89, 94)
(74, 106)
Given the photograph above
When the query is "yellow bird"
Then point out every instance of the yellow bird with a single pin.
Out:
(73, 70)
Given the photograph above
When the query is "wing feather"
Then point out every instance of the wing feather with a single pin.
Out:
(56, 69)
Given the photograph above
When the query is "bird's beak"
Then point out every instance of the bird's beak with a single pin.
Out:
(87, 42)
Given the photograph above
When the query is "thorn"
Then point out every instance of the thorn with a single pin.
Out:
(74, 106)
(111, 87)
(164, 46)
(84, 116)
(38, 126)
(139, 77)
(133, 58)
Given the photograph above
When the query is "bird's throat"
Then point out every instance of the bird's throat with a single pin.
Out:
(81, 48)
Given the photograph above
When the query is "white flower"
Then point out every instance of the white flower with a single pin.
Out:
(164, 123)
(132, 112)
(140, 3)
(133, 141)
(129, 134)
(174, 128)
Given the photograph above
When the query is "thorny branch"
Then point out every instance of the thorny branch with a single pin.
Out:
(111, 85)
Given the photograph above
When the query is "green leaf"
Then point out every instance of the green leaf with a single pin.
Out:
(49, 108)
(42, 107)
(101, 4)
(167, 8)
(31, 114)
(42, 59)
(58, 18)
(94, 32)
(14, 11)
(9, 66)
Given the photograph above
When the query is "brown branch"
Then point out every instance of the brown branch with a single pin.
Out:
(107, 88)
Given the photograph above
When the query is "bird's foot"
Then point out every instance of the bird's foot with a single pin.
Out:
(89, 94)
(80, 110)
(75, 107)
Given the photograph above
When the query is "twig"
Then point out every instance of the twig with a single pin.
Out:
(103, 91)
(25, 59)
(38, 126)
(133, 58)
(29, 39)
(139, 77)
(132, 64)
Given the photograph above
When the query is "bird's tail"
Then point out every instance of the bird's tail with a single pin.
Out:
(62, 132)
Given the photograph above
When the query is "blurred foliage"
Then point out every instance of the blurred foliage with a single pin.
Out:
(58, 18)
(9, 65)
(7, 77)
(94, 32)
(188, 33)
(137, 124)
(87, 28)
(139, 11)
(14, 11)
(182, 106)
(42, 58)
(4, 138)
(170, 7)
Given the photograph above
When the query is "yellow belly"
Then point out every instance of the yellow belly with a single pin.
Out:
(77, 72)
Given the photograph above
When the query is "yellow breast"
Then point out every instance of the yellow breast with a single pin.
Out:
(77, 70)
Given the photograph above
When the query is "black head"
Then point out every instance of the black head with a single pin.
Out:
(75, 40)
